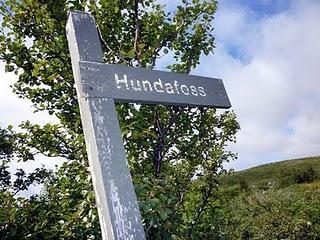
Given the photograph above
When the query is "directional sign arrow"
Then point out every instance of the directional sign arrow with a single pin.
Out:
(128, 84)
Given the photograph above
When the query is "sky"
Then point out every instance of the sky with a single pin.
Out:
(268, 56)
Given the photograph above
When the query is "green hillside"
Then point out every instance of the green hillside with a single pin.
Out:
(272, 172)
(273, 201)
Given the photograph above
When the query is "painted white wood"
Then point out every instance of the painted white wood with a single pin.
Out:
(116, 200)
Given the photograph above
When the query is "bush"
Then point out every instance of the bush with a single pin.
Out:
(244, 186)
(290, 213)
(305, 175)
(297, 176)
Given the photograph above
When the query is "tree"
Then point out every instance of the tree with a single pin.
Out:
(175, 154)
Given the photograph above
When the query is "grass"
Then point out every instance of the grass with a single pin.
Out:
(258, 204)
(270, 172)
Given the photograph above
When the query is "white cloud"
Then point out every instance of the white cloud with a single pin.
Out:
(50, 163)
(13, 109)
(231, 21)
(272, 78)
(305, 137)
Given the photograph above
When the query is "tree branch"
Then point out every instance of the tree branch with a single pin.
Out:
(201, 208)
(158, 49)
(158, 148)
(136, 47)
(106, 46)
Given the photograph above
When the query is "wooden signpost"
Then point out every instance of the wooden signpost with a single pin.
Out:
(98, 86)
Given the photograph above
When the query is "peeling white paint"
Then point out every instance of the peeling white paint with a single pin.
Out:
(102, 138)
(118, 209)
(122, 226)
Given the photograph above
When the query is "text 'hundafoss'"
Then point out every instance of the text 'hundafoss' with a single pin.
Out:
(158, 86)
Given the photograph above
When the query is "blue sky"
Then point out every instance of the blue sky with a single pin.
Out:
(259, 8)
(268, 55)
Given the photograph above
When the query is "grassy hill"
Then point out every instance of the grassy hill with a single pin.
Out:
(272, 172)
(279, 200)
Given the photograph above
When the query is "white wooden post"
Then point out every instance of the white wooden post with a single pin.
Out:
(116, 200)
